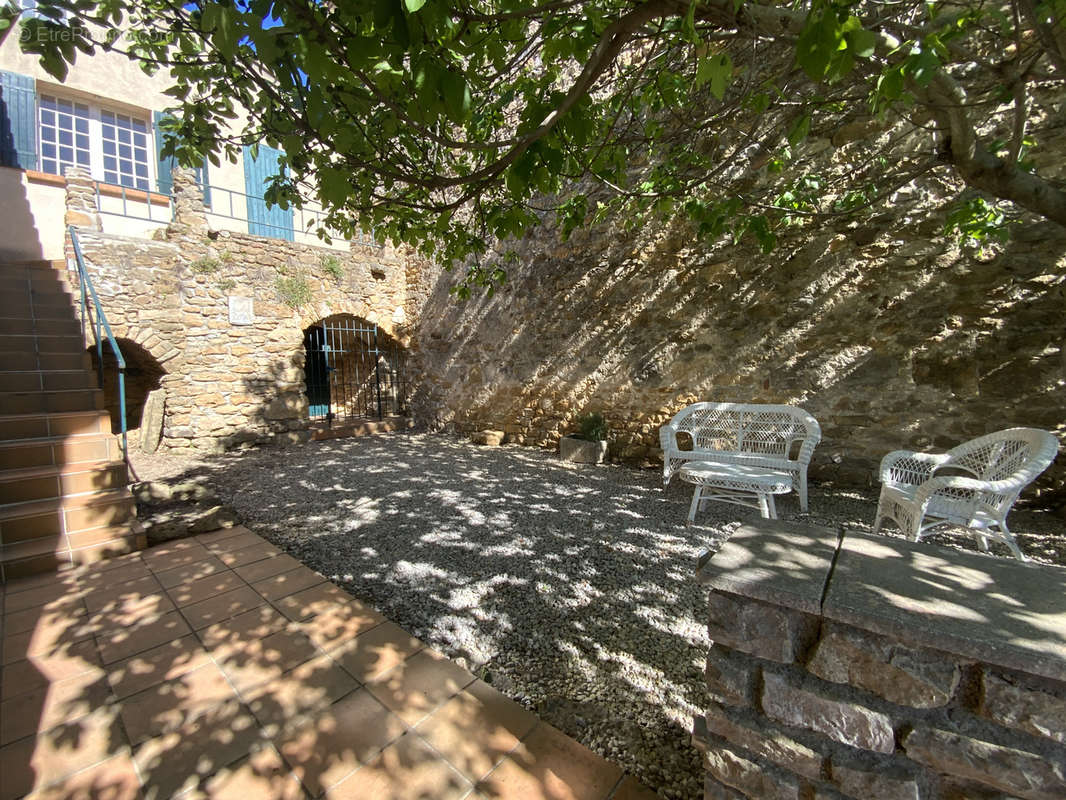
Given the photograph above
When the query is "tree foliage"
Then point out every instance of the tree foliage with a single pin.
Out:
(453, 125)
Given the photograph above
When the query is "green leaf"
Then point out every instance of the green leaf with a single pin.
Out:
(817, 44)
(862, 44)
(413, 5)
(800, 129)
(923, 66)
(688, 25)
(717, 70)
(457, 97)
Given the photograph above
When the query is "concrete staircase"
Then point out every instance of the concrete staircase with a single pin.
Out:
(64, 498)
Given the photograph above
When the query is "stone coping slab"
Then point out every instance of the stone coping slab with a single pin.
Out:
(784, 563)
(996, 610)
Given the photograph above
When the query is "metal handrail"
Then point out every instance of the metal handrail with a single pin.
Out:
(100, 325)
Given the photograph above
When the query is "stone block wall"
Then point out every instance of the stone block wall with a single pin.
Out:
(231, 378)
(889, 332)
(872, 668)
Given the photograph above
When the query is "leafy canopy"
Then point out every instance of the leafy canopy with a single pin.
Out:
(453, 126)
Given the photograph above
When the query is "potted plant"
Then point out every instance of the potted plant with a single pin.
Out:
(589, 444)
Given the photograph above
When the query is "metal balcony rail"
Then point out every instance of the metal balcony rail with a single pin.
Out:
(100, 326)
(220, 201)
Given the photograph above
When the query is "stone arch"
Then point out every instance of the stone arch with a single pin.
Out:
(144, 374)
(353, 369)
(388, 321)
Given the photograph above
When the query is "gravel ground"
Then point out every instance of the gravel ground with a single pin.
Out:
(567, 587)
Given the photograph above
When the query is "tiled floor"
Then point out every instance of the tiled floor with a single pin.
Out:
(218, 667)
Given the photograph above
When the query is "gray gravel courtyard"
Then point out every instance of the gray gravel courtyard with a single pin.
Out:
(570, 588)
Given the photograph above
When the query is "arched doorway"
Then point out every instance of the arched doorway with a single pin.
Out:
(143, 375)
(353, 370)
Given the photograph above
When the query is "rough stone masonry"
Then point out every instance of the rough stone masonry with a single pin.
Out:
(868, 667)
(888, 331)
(218, 317)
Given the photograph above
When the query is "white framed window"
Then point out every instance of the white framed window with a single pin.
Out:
(125, 148)
(113, 145)
(64, 135)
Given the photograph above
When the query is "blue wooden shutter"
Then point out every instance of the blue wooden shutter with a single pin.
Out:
(165, 165)
(165, 181)
(204, 181)
(272, 221)
(18, 121)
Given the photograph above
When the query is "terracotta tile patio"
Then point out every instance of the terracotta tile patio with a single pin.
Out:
(217, 667)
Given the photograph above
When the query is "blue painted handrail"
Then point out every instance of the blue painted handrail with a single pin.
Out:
(99, 324)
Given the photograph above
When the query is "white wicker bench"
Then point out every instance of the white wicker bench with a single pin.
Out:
(772, 437)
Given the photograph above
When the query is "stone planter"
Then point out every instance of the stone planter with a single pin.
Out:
(581, 451)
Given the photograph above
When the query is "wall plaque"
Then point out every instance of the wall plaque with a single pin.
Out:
(240, 311)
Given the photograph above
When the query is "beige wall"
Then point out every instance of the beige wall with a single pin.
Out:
(31, 218)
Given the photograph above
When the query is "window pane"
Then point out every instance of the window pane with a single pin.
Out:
(124, 135)
(59, 119)
(125, 151)
(109, 147)
(110, 163)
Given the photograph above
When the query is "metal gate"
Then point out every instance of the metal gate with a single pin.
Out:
(353, 371)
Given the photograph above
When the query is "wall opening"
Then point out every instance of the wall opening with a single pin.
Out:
(353, 370)
(143, 375)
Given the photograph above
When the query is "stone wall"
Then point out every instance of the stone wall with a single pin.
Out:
(889, 333)
(873, 668)
(231, 376)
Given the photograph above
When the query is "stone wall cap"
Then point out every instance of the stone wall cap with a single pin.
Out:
(777, 562)
(996, 610)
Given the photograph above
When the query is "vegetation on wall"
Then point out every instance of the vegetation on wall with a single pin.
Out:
(331, 265)
(293, 290)
(447, 124)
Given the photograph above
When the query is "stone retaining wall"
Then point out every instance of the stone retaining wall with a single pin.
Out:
(230, 376)
(889, 332)
(873, 668)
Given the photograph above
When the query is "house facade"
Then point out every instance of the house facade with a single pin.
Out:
(105, 118)
(251, 325)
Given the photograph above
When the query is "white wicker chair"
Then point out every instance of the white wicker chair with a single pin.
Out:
(769, 436)
(973, 485)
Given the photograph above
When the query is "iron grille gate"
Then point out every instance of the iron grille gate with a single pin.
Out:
(353, 371)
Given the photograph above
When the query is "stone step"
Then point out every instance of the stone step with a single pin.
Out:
(29, 343)
(51, 553)
(38, 304)
(45, 428)
(33, 280)
(66, 480)
(22, 326)
(55, 401)
(22, 522)
(49, 380)
(38, 263)
(59, 310)
(65, 450)
(50, 362)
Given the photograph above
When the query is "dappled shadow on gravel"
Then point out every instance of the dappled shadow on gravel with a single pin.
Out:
(570, 588)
